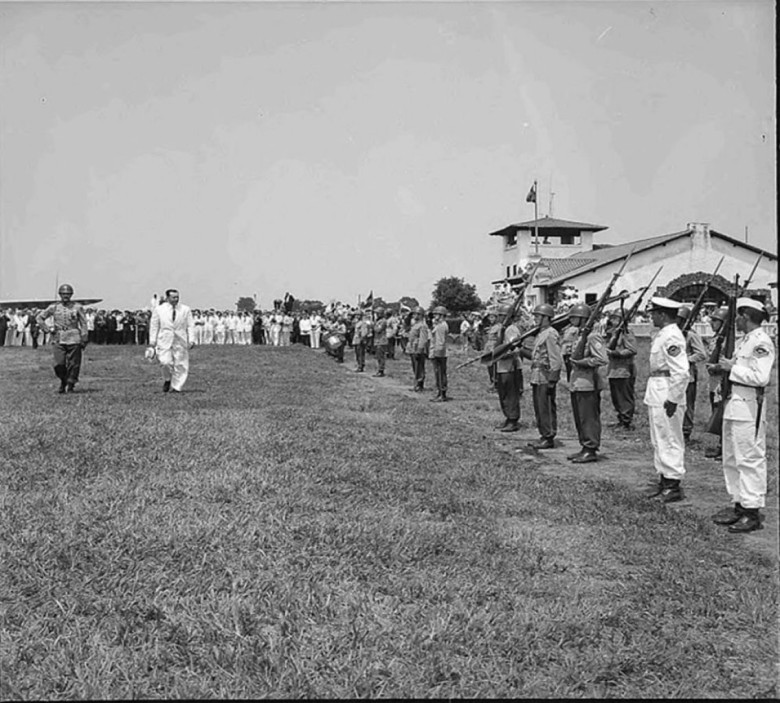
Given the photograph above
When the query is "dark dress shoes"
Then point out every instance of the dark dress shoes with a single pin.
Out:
(511, 426)
(748, 521)
(585, 458)
(166, 386)
(542, 444)
(728, 516)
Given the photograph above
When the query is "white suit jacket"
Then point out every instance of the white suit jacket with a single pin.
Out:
(164, 330)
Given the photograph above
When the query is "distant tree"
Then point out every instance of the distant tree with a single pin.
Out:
(379, 303)
(409, 302)
(245, 304)
(308, 305)
(456, 295)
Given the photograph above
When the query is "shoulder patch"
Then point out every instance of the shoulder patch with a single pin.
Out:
(761, 351)
(673, 350)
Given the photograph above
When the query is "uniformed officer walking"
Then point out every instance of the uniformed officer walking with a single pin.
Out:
(70, 337)
(585, 389)
(380, 341)
(417, 347)
(665, 399)
(359, 336)
(744, 419)
(546, 365)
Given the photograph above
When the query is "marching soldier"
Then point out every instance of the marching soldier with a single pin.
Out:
(546, 365)
(417, 347)
(437, 352)
(622, 373)
(70, 337)
(713, 379)
(665, 400)
(744, 419)
(694, 349)
(585, 388)
(509, 377)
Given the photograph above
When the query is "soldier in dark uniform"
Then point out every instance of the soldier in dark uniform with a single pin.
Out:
(622, 373)
(694, 348)
(585, 387)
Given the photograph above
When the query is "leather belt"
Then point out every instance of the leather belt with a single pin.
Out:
(662, 372)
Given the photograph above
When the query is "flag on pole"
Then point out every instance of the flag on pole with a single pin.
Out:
(531, 197)
(369, 300)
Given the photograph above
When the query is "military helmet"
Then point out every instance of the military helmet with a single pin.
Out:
(419, 310)
(504, 309)
(684, 312)
(65, 287)
(380, 311)
(579, 310)
(440, 310)
(544, 309)
(720, 314)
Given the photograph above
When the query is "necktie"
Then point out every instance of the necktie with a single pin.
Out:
(174, 314)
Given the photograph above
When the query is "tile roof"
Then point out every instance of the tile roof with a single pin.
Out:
(550, 223)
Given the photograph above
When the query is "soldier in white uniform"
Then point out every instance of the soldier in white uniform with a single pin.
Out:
(665, 399)
(744, 419)
(171, 336)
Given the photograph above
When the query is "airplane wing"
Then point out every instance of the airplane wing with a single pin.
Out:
(43, 302)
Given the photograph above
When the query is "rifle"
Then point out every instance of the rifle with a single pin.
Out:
(587, 328)
(749, 279)
(519, 300)
(559, 322)
(725, 343)
(688, 324)
(623, 326)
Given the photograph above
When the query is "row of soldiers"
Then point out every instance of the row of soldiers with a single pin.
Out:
(670, 394)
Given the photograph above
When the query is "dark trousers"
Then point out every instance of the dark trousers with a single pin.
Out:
(391, 347)
(440, 373)
(492, 374)
(418, 369)
(586, 406)
(545, 409)
(713, 408)
(690, 408)
(622, 392)
(381, 355)
(360, 355)
(567, 364)
(67, 362)
(510, 387)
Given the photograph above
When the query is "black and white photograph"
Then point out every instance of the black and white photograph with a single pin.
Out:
(381, 349)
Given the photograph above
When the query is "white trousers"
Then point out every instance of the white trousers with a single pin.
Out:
(175, 363)
(744, 461)
(666, 434)
(315, 338)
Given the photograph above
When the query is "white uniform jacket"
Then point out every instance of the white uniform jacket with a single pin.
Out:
(164, 331)
(753, 359)
(669, 369)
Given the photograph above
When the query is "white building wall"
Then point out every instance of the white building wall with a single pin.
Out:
(678, 257)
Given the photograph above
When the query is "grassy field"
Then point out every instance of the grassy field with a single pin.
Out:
(288, 528)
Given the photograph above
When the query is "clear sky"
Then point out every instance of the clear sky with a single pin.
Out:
(330, 149)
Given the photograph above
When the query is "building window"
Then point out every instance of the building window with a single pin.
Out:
(590, 298)
(511, 240)
(507, 272)
(514, 270)
(567, 239)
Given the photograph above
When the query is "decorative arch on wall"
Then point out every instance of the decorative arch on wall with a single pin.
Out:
(686, 288)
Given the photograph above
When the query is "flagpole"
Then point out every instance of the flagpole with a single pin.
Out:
(536, 219)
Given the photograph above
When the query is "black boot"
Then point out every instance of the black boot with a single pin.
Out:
(728, 516)
(748, 521)
(671, 492)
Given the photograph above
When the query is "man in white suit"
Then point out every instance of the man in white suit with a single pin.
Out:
(171, 336)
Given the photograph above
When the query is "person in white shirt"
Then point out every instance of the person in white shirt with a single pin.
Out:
(287, 325)
(316, 330)
(219, 329)
(276, 328)
(304, 325)
(171, 336)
